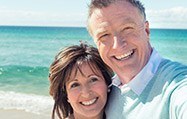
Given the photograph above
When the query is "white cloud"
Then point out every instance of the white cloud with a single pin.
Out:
(164, 18)
(18, 17)
(168, 18)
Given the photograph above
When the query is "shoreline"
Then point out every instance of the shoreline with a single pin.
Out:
(21, 114)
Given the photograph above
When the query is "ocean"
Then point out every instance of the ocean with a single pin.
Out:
(27, 52)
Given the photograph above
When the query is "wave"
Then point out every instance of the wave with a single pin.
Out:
(28, 102)
(19, 69)
(24, 79)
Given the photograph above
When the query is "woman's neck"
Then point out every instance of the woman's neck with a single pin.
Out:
(77, 116)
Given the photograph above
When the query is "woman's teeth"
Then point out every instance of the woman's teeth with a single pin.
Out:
(87, 103)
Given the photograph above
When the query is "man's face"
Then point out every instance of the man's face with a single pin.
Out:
(122, 37)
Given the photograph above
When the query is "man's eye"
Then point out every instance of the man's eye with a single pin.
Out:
(127, 28)
(74, 85)
(104, 35)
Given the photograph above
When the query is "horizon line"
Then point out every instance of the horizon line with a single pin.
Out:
(60, 26)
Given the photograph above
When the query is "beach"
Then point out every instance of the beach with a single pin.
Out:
(20, 114)
(25, 106)
(27, 52)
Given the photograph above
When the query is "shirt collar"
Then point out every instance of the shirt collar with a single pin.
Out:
(140, 81)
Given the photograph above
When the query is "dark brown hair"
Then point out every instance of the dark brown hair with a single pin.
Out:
(61, 69)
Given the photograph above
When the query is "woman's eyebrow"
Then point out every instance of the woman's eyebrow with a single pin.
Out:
(71, 80)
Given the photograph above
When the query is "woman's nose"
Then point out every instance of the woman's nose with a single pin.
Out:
(86, 91)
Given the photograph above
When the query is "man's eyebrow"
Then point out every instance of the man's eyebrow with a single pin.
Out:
(103, 28)
(100, 31)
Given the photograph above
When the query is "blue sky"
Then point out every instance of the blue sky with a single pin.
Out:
(160, 13)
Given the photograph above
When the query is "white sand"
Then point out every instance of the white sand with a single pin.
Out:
(19, 114)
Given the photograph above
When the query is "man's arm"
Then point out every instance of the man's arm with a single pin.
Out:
(178, 102)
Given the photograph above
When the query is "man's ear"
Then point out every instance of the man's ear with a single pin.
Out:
(147, 29)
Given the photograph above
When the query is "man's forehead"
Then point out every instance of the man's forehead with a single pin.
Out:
(97, 13)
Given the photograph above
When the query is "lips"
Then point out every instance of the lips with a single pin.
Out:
(88, 103)
(125, 55)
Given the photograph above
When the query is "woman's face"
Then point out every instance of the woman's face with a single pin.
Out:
(86, 92)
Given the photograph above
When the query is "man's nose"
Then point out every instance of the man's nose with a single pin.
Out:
(118, 42)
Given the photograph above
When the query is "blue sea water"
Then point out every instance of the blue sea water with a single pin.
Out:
(26, 54)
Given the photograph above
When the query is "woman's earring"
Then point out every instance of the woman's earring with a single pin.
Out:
(68, 100)
(108, 90)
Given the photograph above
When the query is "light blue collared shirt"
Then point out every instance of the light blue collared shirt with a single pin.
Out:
(159, 89)
(140, 81)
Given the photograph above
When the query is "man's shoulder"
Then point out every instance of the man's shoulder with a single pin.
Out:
(171, 66)
(172, 70)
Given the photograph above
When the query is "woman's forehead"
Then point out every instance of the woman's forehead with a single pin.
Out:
(80, 68)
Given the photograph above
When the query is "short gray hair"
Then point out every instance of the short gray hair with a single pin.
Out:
(105, 3)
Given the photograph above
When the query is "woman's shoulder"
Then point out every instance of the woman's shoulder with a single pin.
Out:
(70, 117)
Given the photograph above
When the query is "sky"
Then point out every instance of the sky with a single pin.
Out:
(160, 13)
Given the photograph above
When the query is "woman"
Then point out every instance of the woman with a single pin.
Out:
(79, 83)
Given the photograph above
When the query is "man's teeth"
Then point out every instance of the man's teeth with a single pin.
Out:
(124, 56)
(89, 102)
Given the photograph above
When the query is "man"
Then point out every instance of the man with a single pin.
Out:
(146, 86)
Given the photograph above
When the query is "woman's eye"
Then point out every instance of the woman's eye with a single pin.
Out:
(94, 79)
(74, 85)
